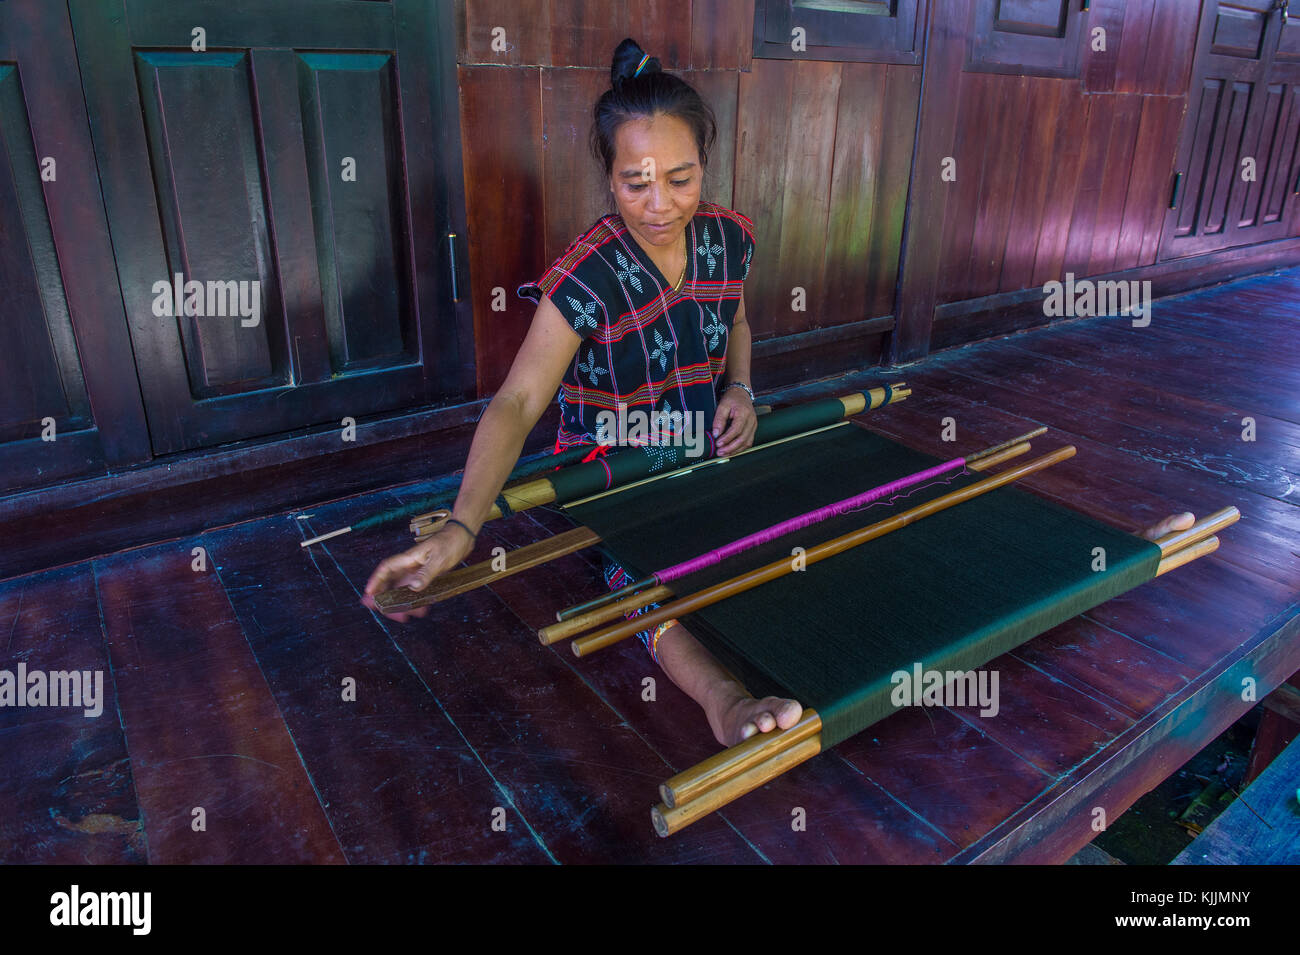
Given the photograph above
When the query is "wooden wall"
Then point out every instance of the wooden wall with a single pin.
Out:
(838, 165)
(816, 153)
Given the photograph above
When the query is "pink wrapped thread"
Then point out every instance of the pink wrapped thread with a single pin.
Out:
(803, 520)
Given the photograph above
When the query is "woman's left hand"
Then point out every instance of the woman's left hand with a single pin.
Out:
(735, 423)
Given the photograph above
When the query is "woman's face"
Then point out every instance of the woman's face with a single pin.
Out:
(656, 178)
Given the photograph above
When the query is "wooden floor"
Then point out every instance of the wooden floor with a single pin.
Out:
(225, 686)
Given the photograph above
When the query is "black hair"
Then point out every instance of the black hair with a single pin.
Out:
(632, 95)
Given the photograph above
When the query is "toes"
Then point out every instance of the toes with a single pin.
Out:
(748, 730)
(788, 714)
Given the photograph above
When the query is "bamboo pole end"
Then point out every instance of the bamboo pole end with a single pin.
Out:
(659, 822)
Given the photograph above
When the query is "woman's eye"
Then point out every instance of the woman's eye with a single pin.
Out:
(681, 182)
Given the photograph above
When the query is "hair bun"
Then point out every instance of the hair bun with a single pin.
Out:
(627, 58)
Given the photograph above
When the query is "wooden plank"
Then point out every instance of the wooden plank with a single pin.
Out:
(462, 580)
(575, 190)
(807, 176)
(963, 204)
(722, 33)
(721, 91)
(67, 793)
(923, 243)
(849, 285)
(1002, 158)
(898, 137)
(763, 128)
(1058, 210)
(945, 769)
(574, 767)
(1042, 113)
(506, 199)
(1261, 827)
(1088, 196)
(398, 776)
(1118, 183)
(1058, 824)
(203, 727)
(526, 26)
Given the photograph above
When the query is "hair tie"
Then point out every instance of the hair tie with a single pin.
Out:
(640, 65)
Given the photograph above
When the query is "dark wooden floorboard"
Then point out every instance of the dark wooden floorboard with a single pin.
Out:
(229, 683)
(574, 766)
(398, 779)
(66, 789)
(202, 728)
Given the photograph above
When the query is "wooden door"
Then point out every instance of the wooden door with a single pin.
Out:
(295, 163)
(1244, 104)
(66, 408)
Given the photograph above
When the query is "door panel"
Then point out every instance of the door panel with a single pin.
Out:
(65, 407)
(1025, 38)
(298, 164)
(1243, 111)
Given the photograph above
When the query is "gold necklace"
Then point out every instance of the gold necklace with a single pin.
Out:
(686, 260)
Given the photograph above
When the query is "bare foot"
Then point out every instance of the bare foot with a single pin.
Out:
(1174, 522)
(734, 715)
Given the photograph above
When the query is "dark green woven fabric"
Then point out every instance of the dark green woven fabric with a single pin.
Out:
(633, 464)
(951, 592)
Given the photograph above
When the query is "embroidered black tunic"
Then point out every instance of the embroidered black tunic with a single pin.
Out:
(645, 345)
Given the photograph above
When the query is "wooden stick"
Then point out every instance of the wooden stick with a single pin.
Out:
(463, 579)
(325, 537)
(669, 820)
(1176, 541)
(691, 783)
(541, 491)
(583, 622)
(779, 568)
(1187, 555)
(600, 609)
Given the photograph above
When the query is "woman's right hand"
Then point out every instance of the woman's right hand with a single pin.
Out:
(417, 567)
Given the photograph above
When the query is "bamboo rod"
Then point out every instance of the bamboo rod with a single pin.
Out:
(1187, 555)
(717, 781)
(541, 491)
(583, 622)
(464, 579)
(599, 610)
(1009, 443)
(1202, 529)
(670, 820)
(603, 613)
(691, 783)
(779, 568)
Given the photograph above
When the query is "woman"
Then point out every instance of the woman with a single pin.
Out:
(646, 310)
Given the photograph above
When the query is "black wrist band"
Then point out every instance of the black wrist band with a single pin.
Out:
(472, 535)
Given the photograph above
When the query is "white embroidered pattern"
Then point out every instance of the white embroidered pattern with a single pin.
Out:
(591, 369)
(709, 251)
(627, 271)
(665, 346)
(583, 314)
(715, 329)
